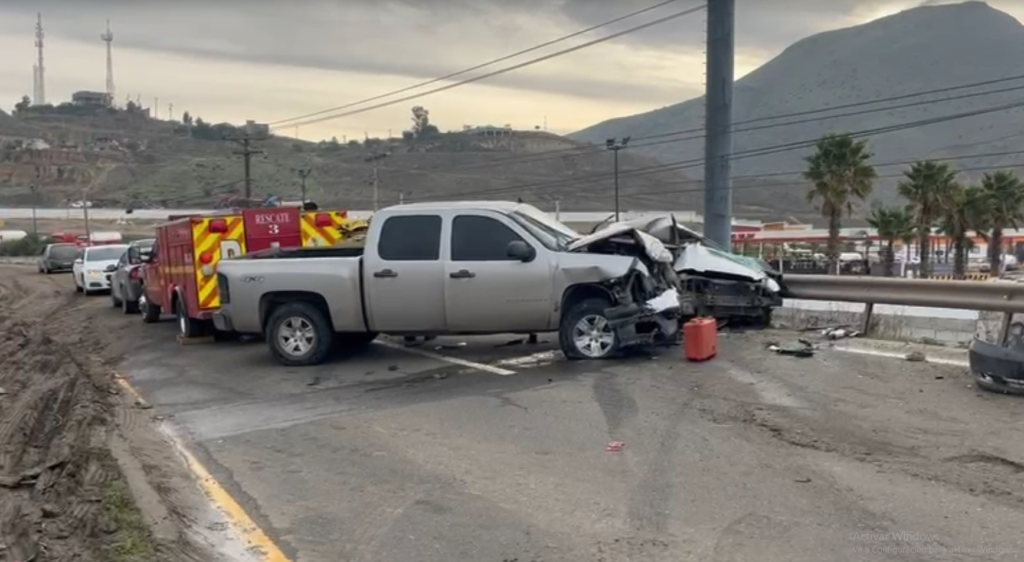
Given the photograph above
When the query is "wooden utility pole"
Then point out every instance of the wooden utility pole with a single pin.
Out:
(303, 174)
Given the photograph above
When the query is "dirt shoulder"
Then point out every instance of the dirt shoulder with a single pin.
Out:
(63, 495)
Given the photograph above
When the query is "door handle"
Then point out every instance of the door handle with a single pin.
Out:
(462, 274)
(385, 273)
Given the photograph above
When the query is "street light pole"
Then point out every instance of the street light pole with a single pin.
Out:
(615, 145)
(35, 203)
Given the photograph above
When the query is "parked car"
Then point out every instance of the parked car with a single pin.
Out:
(90, 268)
(462, 268)
(126, 279)
(57, 257)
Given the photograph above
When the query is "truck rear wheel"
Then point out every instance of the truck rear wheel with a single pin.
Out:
(150, 311)
(585, 333)
(188, 327)
(299, 334)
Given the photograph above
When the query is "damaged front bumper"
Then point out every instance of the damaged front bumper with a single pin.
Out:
(997, 368)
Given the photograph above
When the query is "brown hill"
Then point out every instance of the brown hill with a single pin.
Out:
(116, 158)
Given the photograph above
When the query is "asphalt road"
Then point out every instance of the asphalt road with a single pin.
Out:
(407, 455)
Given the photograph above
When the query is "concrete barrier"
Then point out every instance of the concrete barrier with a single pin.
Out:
(891, 323)
(18, 260)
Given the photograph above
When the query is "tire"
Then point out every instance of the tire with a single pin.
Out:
(353, 342)
(150, 312)
(78, 288)
(575, 342)
(188, 327)
(129, 306)
(299, 334)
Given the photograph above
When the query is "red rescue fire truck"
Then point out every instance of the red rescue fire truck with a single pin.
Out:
(180, 275)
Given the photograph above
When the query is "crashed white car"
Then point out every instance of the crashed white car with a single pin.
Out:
(713, 281)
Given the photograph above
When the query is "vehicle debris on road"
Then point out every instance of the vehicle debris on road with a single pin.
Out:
(801, 348)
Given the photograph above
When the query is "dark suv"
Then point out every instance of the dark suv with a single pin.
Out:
(57, 257)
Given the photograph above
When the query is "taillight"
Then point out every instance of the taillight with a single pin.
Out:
(219, 225)
(222, 288)
(324, 219)
(206, 258)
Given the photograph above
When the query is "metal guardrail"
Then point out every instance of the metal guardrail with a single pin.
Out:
(999, 296)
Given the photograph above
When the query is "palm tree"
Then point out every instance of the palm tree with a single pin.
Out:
(968, 209)
(892, 224)
(840, 172)
(1006, 206)
(929, 187)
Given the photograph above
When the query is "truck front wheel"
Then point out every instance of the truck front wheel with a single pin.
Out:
(299, 334)
(585, 333)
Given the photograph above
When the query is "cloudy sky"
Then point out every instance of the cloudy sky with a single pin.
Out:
(232, 60)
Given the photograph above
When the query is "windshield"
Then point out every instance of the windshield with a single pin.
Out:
(104, 253)
(553, 234)
(63, 251)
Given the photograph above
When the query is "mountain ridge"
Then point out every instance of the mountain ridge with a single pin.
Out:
(916, 50)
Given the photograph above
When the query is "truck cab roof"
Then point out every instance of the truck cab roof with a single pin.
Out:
(500, 206)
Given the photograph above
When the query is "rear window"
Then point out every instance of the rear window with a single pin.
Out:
(64, 251)
(410, 238)
(105, 253)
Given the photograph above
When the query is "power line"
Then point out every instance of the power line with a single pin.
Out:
(750, 153)
(558, 153)
(503, 70)
(479, 66)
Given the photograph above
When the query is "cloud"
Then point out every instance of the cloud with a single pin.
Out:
(309, 55)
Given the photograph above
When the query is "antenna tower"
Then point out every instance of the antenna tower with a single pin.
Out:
(39, 88)
(108, 38)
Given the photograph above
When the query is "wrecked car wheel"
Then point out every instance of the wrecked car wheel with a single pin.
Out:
(585, 332)
(299, 334)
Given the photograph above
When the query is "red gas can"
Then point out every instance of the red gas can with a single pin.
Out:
(700, 338)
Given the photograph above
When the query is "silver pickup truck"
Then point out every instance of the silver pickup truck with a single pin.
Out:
(455, 268)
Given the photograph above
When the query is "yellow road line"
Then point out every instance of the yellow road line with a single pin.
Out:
(251, 533)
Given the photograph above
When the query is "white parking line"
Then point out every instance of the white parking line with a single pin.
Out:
(452, 360)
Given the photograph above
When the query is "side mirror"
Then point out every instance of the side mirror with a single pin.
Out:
(110, 268)
(78, 261)
(519, 250)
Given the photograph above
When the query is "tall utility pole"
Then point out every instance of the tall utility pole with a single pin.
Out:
(375, 159)
(718, 121)
(40, 72)
(108, 38)
(85, 215)
(615, 145)
(246, 153)
(303, 174)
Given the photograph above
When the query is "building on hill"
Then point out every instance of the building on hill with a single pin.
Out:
(87, 98)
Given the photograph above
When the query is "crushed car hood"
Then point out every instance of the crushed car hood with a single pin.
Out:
(696, 253)
(653, 247)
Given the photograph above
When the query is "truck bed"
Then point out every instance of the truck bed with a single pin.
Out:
(299, 253)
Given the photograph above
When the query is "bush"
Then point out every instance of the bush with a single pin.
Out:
(31, 245)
